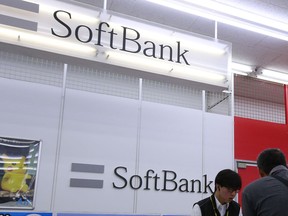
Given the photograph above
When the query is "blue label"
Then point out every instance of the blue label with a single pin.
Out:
(25, 214)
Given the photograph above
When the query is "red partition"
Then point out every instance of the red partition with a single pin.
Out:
(252, 136)
(248, 174)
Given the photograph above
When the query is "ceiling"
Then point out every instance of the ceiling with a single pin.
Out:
(248, 48)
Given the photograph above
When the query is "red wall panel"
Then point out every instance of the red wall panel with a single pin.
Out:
(249, 174)
(252, 136)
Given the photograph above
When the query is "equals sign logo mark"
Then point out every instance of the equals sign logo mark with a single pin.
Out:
(17, 22)
(88, 168)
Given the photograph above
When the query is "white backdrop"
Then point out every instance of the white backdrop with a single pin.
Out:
(99, 129)
(114, 131)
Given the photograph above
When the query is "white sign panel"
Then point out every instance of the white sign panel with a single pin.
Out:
(115, 39)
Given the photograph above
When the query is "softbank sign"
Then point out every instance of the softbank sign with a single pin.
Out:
(114, 39)
(164, 180)
(125, 39)
(184, 55)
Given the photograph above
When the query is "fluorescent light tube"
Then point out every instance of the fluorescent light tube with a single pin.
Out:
(193, 73)
(241, 68)
(26, 38)
(228, 15)
(239, 13)
(272, 79)
(273, 76)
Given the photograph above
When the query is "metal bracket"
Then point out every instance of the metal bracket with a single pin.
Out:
(218, 102)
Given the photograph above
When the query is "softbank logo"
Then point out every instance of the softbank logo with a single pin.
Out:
(87, 168)
(166, 180)
(22, 6)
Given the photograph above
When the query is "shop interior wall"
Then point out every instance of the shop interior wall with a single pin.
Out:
(260, 117)
(109, 129)
(259, 123)
(252, 136)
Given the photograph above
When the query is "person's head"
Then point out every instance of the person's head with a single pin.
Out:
(268, 159)
(227, 185)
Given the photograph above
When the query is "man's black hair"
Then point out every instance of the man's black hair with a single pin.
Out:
(270, 158)
(229, 178)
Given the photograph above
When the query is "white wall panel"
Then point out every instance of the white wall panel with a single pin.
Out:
(218, 149)
(31, 111)
(102, 130)
(171, 139)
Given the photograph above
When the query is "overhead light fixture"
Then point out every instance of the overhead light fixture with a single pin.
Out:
(194, 73)
(229, 15)
(26, 38)
(239, 13)
(260, 73)
(273, 76)
(241, 69)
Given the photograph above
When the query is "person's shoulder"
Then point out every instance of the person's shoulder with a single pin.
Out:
(234, 206)
(234, 203)
(254, 184)
(203, 201)
(258, 184)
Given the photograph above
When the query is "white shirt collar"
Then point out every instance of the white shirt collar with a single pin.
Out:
(221, 208)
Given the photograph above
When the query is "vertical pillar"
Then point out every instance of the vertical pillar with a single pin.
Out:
(59, 140)
(216, 30)
(286, 103)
